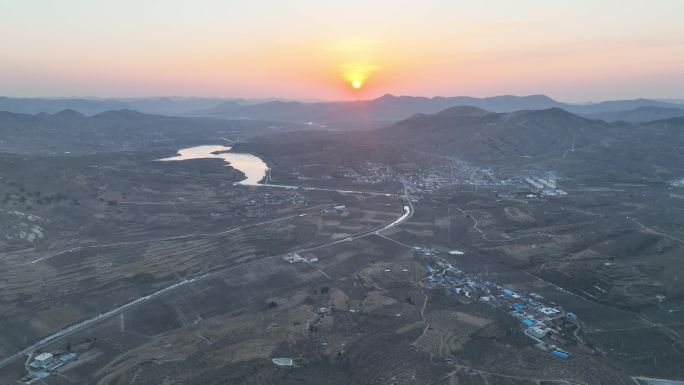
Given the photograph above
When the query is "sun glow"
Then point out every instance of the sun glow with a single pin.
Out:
(357, 74)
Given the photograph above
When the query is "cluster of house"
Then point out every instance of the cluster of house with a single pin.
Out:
(46, 363)
(549, 325)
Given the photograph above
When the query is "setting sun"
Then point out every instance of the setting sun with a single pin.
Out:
(356, 84)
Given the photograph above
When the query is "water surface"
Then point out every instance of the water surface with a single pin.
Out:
(252, 166)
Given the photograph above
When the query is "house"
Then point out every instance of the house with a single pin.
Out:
(44, 358)
(549, 311)
(537, 332)
(511, 293)
(282, 361)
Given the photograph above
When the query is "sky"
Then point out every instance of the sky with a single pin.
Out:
(572, 50)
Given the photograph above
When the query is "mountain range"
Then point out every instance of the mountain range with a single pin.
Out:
(471, 133)
(120, 130)
(391, 108)
(346, 114)
(90, 106)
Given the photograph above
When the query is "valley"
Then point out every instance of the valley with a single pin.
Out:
(146, 268)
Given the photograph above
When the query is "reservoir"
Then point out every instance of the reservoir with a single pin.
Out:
(252, 166)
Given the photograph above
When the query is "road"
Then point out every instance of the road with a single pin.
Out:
(328, 189)
(174, 238)
(407, 213)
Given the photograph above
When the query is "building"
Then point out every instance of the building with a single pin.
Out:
(52, 366)
(537, 332)
(549, 311)
(42, 360)
(283, 361)
(511, 293)
(68, 357)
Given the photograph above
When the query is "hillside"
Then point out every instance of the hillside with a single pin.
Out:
(121, 130)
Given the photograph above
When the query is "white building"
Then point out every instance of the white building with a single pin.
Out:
(42, 359)
(283, 361)
(549, 311)
(537, 331)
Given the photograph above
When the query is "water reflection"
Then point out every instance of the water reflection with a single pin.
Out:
(251, 165)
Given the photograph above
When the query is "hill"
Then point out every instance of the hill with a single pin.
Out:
(121, 130)
(492, 136)
(90, 106)
(639, 114)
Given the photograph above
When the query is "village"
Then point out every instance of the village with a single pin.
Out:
(552, 328)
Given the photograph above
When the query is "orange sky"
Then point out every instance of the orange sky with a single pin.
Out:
(571, 50)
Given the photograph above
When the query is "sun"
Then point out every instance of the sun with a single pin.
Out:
(356, 84)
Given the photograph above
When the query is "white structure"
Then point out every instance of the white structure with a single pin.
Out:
(549, 311)
(283, 361)
(538, 332)
(42, 359)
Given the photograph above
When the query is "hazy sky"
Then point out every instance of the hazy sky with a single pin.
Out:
(569, 49)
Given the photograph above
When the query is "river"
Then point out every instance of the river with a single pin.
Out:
(252, 166)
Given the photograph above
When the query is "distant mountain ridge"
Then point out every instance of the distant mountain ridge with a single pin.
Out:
(90, 106)
(387, 108)
(119, 130)
(384, 108)
(638, 115)
(392, 108)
